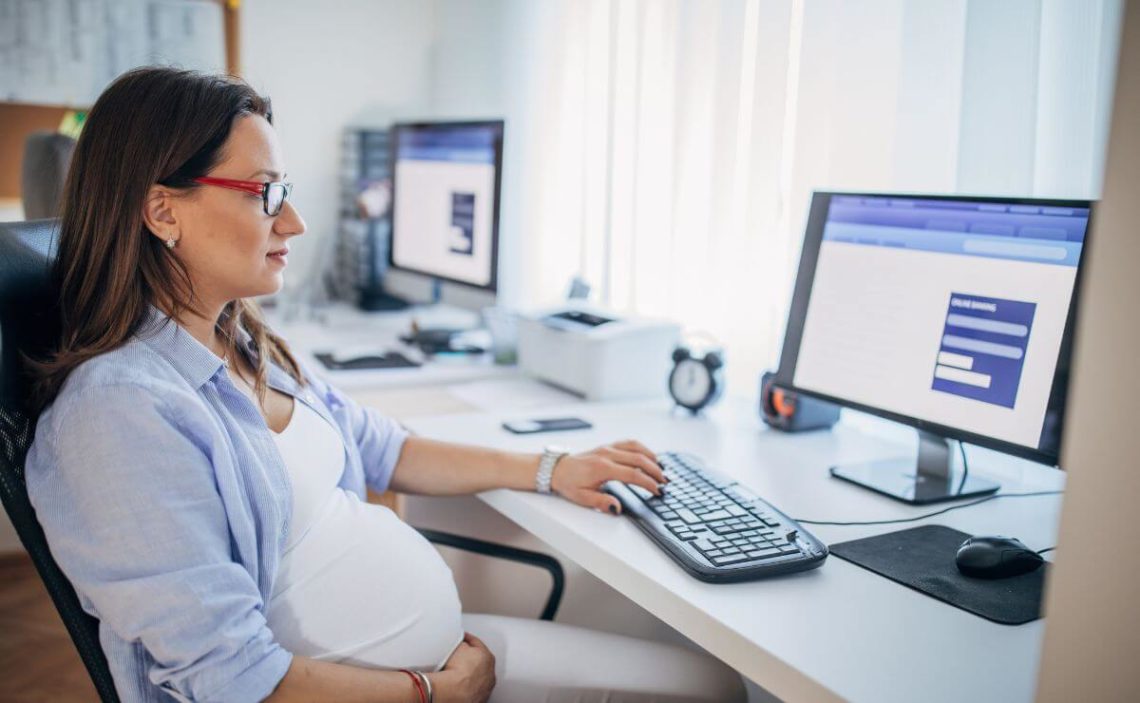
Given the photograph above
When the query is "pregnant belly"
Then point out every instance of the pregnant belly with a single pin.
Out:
(364, 588)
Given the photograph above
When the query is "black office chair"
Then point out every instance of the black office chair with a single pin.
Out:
(28, 324)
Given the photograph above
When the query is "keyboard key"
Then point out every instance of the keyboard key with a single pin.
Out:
(729, 559)
(641, 492)
(703, 544)
(688, 516)
(718, 515)
(769, 553)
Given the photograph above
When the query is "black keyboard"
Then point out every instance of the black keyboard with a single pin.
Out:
(716, 529)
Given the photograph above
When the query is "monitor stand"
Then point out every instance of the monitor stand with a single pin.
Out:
(932, 479)
(377, 300)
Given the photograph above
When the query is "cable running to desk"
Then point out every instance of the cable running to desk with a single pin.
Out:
(936, 512)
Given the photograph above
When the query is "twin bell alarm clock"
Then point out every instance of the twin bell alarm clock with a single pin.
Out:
(697, 378)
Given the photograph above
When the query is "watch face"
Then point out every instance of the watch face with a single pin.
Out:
(690, 383)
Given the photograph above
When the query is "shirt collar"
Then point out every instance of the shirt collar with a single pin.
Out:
(192, 359)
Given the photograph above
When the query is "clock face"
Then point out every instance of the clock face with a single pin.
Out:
(690, 383)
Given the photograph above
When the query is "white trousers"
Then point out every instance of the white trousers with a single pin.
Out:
(547, 662)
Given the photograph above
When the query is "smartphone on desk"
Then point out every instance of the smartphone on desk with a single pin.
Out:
(554, 424)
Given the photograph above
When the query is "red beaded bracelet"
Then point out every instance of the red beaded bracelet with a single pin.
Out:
(419, 686)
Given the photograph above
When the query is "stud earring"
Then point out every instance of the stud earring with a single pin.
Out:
(170, 243)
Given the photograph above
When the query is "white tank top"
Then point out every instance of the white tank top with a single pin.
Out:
(356, 584)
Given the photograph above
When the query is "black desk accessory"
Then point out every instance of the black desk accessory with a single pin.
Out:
(791, 412)
(922, 558)
(995, 557)
(438, 340)
(388, 360)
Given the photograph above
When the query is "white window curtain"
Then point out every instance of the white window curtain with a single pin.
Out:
(666, 150)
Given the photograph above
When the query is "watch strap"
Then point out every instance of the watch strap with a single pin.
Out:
(542, 480)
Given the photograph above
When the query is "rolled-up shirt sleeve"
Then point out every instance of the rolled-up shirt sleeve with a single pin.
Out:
(128, 500)
(379, 439)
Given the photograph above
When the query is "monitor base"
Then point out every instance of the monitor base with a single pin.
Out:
(897, 479)
(931, 477)
(375, 301)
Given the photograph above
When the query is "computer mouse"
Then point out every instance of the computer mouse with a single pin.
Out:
(992, 557)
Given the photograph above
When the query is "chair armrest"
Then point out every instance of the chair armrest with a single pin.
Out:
(502, 551)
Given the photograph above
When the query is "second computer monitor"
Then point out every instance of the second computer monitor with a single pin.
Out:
(950, 314)
(445, 205)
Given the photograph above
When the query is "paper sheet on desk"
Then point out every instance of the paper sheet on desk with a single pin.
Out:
(511, 394)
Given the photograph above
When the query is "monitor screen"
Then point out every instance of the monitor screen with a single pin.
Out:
(445, 205)
(947, 313)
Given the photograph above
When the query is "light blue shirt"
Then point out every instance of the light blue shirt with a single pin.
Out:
(166, 503)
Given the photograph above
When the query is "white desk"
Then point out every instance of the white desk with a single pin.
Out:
(838, 632)
(343, 327)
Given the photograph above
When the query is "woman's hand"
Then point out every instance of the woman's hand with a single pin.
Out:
(579, 477)
(468, 676)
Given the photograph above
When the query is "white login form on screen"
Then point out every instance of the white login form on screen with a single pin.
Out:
(443, 219)
(964, 341)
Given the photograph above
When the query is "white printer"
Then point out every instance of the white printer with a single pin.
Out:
(596, 353)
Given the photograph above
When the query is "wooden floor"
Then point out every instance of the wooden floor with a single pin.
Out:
(38, 662)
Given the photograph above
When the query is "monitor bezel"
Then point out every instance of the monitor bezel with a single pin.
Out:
(805, 278)
(393, 147)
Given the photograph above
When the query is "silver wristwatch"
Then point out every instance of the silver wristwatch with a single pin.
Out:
(550, 456)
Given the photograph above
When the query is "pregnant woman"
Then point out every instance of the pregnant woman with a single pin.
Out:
(204, 492)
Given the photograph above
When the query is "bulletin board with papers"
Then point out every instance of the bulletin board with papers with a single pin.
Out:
(59, 55)
(64, 52)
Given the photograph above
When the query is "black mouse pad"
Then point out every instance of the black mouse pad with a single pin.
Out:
(923, 559)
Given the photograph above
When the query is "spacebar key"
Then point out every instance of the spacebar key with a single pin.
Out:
(688, 516)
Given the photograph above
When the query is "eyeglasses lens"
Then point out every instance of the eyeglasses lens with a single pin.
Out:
(275, 197)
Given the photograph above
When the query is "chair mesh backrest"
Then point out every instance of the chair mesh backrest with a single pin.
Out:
(28, 324)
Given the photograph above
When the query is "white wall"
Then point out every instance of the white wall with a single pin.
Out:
(484, 67)
(327, 66)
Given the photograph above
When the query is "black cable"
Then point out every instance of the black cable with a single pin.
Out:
(965, 466)
(1047, 549)
(937, 512)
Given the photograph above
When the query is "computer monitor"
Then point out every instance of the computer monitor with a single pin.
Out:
(445, 201)
(953, 315)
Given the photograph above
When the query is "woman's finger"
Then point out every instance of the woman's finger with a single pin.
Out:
(597, 500)
(632, 445)
(639, 461)
(637, 477)
(473, 640)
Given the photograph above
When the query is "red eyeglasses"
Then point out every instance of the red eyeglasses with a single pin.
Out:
(273, 194)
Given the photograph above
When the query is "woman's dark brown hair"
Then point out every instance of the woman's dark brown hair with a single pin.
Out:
(151, 125)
